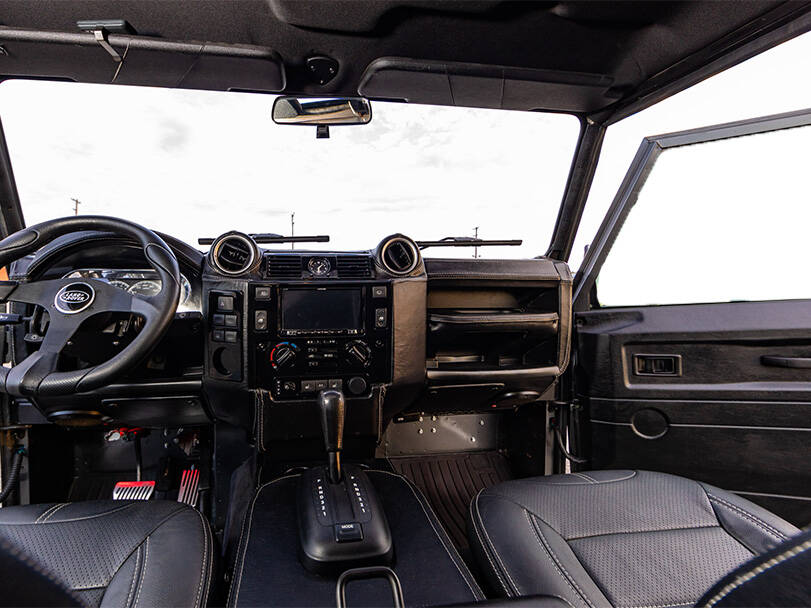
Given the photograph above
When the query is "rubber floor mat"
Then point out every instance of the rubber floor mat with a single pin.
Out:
(450, 482)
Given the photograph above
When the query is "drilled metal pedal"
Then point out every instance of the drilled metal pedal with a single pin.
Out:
(189, 484)
(133, 490)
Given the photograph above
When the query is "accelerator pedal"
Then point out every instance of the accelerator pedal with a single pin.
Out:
(189, 487)
(133, 490)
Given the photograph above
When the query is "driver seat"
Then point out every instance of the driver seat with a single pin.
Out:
(105, 553)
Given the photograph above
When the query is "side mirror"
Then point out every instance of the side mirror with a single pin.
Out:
(321, 111)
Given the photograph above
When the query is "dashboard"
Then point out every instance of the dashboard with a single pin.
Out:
(141, 282)
(260, 331)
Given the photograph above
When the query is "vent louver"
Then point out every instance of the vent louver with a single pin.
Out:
(283, 266)
(399, 255)
(233, 253)
(354, 266)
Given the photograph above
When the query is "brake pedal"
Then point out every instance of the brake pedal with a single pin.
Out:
(133, 490)
(189, 487)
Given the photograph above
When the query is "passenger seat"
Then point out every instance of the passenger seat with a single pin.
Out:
(634, 539)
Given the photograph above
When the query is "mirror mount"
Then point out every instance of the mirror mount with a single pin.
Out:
(322, 132)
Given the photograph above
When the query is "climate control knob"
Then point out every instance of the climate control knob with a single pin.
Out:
(358, 352)
(283, 355)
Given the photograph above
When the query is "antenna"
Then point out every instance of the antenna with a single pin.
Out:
(293, 229)
(475, 236)
(76, 203)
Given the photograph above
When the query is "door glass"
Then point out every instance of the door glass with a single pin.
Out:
(720, 221)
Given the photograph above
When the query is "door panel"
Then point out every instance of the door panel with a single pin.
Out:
(716, 392)
(727, 419)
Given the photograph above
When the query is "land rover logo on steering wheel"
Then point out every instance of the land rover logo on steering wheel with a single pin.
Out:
(74, 298)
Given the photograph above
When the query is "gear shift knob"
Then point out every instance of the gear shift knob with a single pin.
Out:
(333, 408)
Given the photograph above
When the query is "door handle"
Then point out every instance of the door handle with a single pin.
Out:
(792, 362)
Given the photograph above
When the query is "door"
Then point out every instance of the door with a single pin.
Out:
(693, 314)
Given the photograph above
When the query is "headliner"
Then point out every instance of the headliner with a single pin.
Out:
(588, 58)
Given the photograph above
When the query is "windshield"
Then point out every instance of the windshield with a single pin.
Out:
(196, 164)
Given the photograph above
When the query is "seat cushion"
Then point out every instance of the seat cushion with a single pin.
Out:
(621, 538)
(116, 553)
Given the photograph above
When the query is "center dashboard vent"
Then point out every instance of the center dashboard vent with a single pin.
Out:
(233, 253)
(354, 266)
(399, 255)
(283, 266)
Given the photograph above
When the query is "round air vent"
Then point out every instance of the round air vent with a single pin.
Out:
(233, 253)
(399, 255)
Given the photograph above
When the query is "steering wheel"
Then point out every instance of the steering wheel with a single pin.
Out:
(70, 302)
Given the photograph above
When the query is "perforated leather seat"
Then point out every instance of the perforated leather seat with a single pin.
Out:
(106, 553)
(616, 538)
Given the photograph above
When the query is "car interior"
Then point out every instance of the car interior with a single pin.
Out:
(265, 419)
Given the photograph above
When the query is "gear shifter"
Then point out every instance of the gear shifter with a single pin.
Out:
(333, 409)
(341, 521)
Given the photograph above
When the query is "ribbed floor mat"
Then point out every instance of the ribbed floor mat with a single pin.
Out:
(450, 482)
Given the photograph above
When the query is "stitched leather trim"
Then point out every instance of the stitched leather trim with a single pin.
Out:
(641, 532)
(198, 597)
(747, 576)
(135, 576)
(143, 573)
(473, 517)
(539, 536)
(65, 521)
(490, 549)
(49, 511)
(770, 530)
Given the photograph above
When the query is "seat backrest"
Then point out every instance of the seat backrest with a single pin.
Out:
(780, 577)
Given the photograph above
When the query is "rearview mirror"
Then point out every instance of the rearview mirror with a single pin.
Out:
(321, 111)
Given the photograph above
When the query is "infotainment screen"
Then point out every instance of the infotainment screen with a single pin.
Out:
(305, 309)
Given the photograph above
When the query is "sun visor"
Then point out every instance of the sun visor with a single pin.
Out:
(450, 83)
(145, 61)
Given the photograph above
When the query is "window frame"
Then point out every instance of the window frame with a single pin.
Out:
(585, 295)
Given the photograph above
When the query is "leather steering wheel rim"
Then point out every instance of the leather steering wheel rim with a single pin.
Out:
(70, 302)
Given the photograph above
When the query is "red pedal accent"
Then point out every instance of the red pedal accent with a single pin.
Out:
(189, 482)
(133, 490)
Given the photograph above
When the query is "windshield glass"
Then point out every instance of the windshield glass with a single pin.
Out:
(196, 164)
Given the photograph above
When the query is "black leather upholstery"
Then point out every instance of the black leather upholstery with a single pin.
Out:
(620, 538)
(779, 577)
(113, 553)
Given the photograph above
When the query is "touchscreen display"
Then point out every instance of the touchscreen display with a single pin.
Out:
(317, 309)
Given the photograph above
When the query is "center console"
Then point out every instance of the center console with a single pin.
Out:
(305, 338)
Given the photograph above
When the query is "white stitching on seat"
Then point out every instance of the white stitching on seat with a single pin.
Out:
(473, 518)
(439, 536)
(758, 570)
(757, 521)
(197, 598)
(539, 536)
(492, 547)
(64, 521)
(51, 514)
(207, 593)
(143, 574)
(48, 510)
(586, 477)
(663, 605)
(134, 576)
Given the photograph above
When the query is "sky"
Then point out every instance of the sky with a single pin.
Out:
(195, 163)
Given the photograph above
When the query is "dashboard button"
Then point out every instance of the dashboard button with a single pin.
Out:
(231, 336)
(263, 293)
(307, 386)
(260, 320)
(381, 318)
(225, 303)
(320, 385)
(219, 319)
(336, 384)
(378, 291)
(218, 335)
(230, 320)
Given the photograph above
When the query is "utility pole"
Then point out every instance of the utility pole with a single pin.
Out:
(475, 236)
(76, 203)
(293, 228)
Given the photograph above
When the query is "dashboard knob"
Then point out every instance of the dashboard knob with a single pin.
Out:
(356, 385)
(283, 355)
(358, 352)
